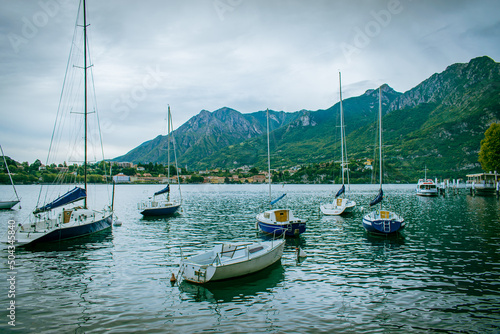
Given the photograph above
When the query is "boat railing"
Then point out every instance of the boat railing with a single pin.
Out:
(281, 232)
(233, 251)
(216, 260)
(147, 204)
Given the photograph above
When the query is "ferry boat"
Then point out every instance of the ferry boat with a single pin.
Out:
(426, 187)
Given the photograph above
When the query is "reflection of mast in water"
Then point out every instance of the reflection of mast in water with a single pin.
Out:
(68, 262)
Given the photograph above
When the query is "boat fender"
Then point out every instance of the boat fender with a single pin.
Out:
(300, 252)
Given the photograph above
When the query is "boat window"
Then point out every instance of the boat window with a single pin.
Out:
(256, 249)
(281, 215)
(67, 216)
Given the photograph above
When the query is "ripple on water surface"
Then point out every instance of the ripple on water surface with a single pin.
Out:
(441, 274)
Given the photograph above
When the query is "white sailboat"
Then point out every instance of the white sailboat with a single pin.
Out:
(6, 205)
(230, 260)
(164, 206)
(382, 220)
(340, 204)
(56, 221)
(278, 221)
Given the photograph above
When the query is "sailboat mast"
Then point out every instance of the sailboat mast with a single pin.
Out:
(85, 98)
(268, 158)
(380, 130)
(168, 146)
(175, 156)
(8, 172)
(341, 129)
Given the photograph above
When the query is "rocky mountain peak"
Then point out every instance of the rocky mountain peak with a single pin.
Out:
(448, 86)
(430, 119)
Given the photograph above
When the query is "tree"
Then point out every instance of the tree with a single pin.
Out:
(35, 165)
(489, 154)
(129, 171)
(254, 171)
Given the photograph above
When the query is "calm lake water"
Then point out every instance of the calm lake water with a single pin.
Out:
(442, 274)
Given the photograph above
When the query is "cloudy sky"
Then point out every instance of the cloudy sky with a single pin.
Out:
(206, 54)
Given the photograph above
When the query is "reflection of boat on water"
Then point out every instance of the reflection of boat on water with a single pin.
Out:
(332, 219)
(162, 218)
(243, 287)
(393, 240)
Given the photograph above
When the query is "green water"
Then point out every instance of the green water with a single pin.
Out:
(442, 274)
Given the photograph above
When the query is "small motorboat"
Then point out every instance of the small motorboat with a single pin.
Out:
(230, 260)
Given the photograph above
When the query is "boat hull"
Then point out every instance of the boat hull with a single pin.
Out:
(424, 193)
(279, 221)
(203, 273)
(383, 224)
(64, 233)
(290, 229)
(333, 209)
(161, 211)
(7, 205)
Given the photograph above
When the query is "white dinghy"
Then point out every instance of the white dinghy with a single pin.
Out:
(230, 260)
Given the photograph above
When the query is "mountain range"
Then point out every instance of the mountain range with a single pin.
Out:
(438, 124)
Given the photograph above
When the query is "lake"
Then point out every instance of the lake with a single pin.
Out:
(442, 274)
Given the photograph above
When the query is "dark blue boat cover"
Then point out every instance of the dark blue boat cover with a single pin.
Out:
(165, 190)
(71, 196)
(340, 192)
(277, 199)
(378, 199)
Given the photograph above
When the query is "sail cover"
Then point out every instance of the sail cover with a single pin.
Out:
(165, 190)
(277, 199)
(71, 196)
(340, 192)
(378, 199)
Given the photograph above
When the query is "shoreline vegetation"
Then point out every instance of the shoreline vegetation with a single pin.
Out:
(361, 172)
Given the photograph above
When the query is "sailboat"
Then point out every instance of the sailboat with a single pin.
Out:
(9, 204)
(381, 220)
(164, 206)
(278, 221)
(48, 224)
(230, 260)
(341, 204)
